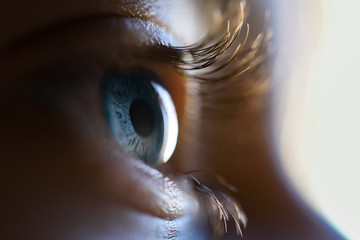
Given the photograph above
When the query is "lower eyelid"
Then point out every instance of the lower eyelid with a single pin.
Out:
(133, 183)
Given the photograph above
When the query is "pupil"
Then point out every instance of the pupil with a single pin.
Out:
(142, 117)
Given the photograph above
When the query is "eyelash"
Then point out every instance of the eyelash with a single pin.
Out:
(217, 55)
(218, 203)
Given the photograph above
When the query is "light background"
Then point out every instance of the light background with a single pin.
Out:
(316, 113)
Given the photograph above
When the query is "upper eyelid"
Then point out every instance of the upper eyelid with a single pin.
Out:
(99, 50)
(96, 53)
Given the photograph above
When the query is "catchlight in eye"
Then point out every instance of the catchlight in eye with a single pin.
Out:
(141, 116)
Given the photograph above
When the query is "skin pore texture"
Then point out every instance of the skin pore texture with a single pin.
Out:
(64, 176)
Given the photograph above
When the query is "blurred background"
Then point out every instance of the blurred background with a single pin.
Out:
(310, 121)
(315, 106)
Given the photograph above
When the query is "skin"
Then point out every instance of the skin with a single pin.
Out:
(64, 177)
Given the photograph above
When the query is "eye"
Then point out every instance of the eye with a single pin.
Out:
(141, 115)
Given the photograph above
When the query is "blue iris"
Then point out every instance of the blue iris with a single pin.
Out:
(134, 114)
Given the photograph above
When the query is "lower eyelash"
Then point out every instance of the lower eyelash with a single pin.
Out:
(220, 207)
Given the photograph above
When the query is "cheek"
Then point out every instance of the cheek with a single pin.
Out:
(54, 188)
(41, 173)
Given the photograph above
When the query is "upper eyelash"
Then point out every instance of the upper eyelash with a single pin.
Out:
(218, 58)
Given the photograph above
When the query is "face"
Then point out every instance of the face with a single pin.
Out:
(107, 109)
